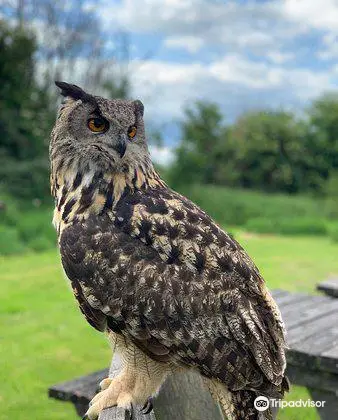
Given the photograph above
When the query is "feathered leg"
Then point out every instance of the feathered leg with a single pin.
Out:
(237, 405)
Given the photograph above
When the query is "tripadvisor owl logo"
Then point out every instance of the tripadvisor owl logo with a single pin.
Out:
(261, 403)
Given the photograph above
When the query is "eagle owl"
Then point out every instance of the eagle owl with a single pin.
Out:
(147, 266)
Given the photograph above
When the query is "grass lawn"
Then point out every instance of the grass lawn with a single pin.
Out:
(44, 338)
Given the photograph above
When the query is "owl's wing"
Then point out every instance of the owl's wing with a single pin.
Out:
(162, 273)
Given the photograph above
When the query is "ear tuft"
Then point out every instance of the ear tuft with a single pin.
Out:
(139, 107)
(75, 92)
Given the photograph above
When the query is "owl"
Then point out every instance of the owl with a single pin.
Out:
(170, 288)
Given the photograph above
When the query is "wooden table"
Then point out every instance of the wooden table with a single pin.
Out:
(329, 286)
(312, 325)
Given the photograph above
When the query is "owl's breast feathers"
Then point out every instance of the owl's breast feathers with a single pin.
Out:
(159, 271)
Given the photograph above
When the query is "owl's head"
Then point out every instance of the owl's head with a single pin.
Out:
(93, 131)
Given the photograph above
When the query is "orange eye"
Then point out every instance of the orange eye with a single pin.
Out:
(132, 131)
(97, 125)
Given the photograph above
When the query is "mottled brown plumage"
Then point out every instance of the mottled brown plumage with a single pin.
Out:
(156, 272)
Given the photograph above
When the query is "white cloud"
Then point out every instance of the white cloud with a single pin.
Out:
(162, 155)
(235, 82)
(236, 69)
(320, 14)
(146, 15)
(330, 46)
(255, 27)
(279, 57)
(251, 58)
(302, 83)
(252, 51)
(165, 86)
(231, 24)
(189, 43)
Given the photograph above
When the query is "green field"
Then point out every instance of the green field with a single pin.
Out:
(25, 228)
(45, 340)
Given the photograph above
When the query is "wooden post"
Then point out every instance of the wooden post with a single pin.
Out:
(312, 362)
(183, 396)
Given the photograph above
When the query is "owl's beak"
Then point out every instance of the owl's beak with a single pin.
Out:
(121, 147)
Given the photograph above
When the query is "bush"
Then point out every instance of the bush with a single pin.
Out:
(333, 231)
(236, 207)
(331, 204)
(40, 243)
(26, 180)
(24, 227)
(36, 224)
(10, 242)
(31, 228)
(288, 226)
(9, 214)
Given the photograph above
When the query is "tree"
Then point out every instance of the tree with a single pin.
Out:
(261, 150)
(73, 45)
(203, 133)
(269, 151)
(25, 117)
(323, 133)
(331, 190)
(65, 40)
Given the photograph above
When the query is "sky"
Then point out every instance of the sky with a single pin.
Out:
(243, 55)
(240, 54)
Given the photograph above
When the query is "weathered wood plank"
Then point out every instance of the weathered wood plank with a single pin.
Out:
(79, 391)
(317, 310)
(278, 293)
(302, 374)
(320, 365)
(183, 396)
(330, 409)
(298, 333)
(312, 361)
(118, 414)
(333, 352)
(82, 388)
(311, 378)
(291, 312)
(318, 343)
(291, 299)
(329, 286)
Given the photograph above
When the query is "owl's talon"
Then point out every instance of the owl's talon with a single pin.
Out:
(104, 384)
(148, 406)
(113, 395)
(131, 412)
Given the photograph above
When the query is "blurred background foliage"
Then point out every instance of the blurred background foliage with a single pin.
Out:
(267, 171)
(272, 151)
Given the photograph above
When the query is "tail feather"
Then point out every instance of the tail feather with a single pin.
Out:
(239, 405)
